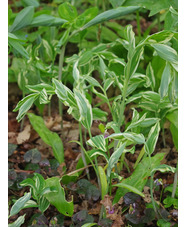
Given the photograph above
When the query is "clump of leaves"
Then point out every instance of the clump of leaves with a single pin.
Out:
(138, 213)
(105, 222)
(81, 218)
(91, 191)
(33, 156)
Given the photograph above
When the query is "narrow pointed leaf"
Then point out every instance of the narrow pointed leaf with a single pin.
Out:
(97, 142)
(23, 19)
(18, 222)
(103, 180)
(130, 188)
(110, 14)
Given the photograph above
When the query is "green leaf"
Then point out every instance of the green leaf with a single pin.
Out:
(30, 203)
(89, 224)
(99, 153)
(34, 3)
(47, 20)
(67, 11)
(85, 109)
(130, 188)
(165, 80)
(19, 204)
(150, 74)
(58, 198)
(43, 204)
(18, 222)
(163, 169)
(161, 37)
(114, 158)
(133, 62)
(103, 180)
(152, 138)
(140, 175)
(50, 138)
(110, 14)
(116, 3)
(39, 87)
(43, 98)
(18, 47)
(86, 16)
(99, 114)
(107, 83)
(75, 72)
(23, 19)
(24, 105)
(98, 142)
(166, 52)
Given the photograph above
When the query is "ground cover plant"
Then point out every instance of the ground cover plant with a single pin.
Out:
(93, 113)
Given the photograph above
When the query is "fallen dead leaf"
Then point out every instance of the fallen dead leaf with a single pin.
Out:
(96, 210)
(12, 137)
(24, 135)
(106, 202)
(146, 192)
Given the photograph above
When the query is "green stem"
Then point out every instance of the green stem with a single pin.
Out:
(61, 61)
(122, 107)
(138, 24)
(23, 120)
(152, 197)
(82, 152)
(175, 182)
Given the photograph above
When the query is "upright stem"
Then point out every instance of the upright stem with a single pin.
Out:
(159, 24)
(138, 24)
(82, 152)
(61, 61)
(23, 120)
(152, 197)
(122, 108)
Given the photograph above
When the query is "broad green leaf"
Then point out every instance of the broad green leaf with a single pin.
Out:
(39, 87)
(99, 114)
(85, 57)
(39, 182)
(98, 142)
(129, 36)
(136, 122)
(13, 36)
(110, 14)
(92, 81)
(50, 138)
(18, 222)
(30, 203)
(140, 175)
(47, 20)
(130, 136)
(75, 72)
(43, 98)
(165, 80)
(86, 16)
(152, 138)
(24, 105)
(148, 122)
(129, 187)
(18, 47)
(166, 52)
(67, 11)
(116, 3)
(58, 198)
(19, 204)
(23, 19)
(64, 93)
(43, 204)
(161, 37)
(85, 109)
(114, 158)
(150, 74)
(103, 180)
(133, 62)
(99, 153)
(34, 3)
(163, 169)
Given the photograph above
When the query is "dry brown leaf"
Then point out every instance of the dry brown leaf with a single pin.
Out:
(24, 135)
(146, 191)
(96, 210)
(118, 221)
(106, 202)
(12, 137)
